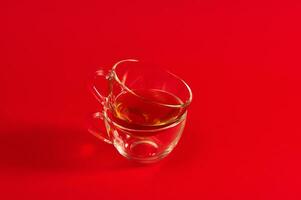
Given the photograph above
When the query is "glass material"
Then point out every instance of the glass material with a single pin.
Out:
(144, 110)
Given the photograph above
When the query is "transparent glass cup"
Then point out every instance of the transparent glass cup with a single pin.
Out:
(144, 109)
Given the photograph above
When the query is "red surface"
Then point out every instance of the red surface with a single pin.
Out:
(242, 60)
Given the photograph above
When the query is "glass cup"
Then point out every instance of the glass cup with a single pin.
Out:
(143, 108)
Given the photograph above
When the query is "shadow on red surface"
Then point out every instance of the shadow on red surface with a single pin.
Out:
(47, 148)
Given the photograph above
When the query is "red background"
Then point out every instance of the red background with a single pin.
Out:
(241, 59)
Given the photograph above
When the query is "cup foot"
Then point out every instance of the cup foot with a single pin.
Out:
(144, 148)
(143, 151)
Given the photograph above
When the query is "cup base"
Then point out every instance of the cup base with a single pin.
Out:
(143, 151)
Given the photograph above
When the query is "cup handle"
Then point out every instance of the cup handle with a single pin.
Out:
(98, 117)
(98, 132)
(99, 97)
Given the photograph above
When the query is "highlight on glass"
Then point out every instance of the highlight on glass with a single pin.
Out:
(143, 108)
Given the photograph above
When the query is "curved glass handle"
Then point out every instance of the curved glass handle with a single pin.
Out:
(95, 91)
(97, 118)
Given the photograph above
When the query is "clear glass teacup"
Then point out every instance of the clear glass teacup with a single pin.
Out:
(144, 110)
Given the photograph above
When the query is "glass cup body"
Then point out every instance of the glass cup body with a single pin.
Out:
(145, 146)
(158, 122)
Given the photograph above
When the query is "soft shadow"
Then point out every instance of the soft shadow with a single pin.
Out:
(48, 148)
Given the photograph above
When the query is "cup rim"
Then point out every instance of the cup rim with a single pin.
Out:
(173, 124)
(182, 105)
